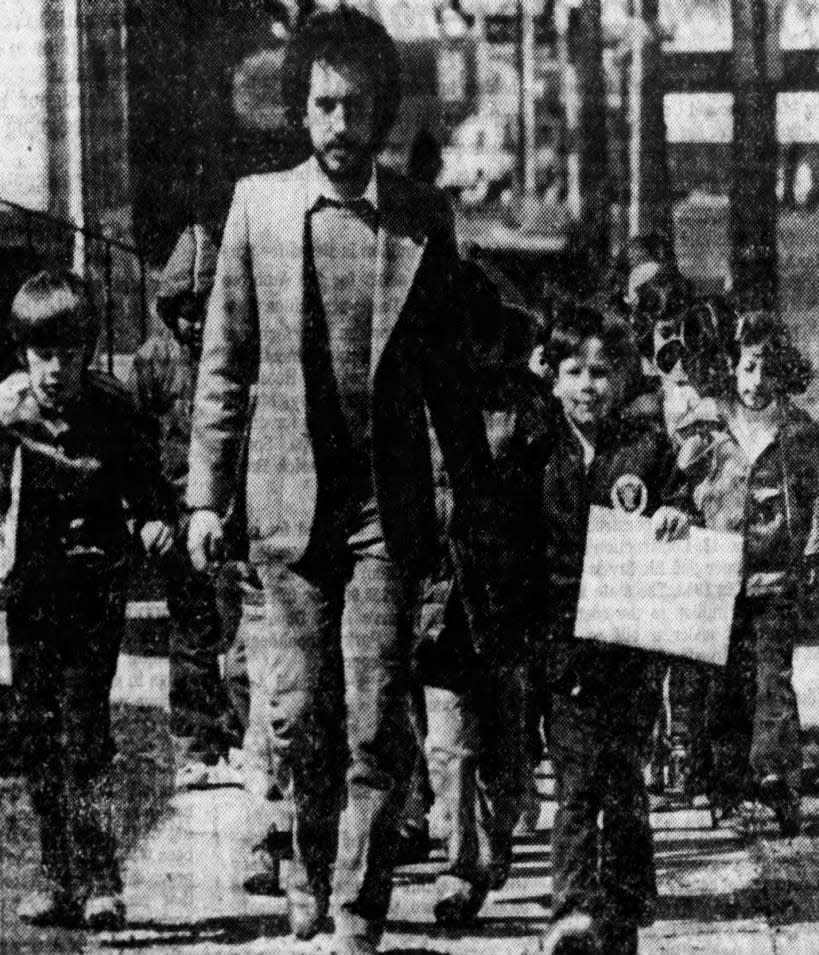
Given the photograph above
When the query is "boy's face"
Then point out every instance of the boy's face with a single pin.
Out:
(189, 322)
(56, 373)
(753, 380)
(588, 386)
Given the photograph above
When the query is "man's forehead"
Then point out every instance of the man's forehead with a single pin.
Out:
(340, 77)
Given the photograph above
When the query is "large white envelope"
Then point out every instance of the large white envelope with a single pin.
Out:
(675, 598)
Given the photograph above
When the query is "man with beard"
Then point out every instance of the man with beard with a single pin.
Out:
(336, 288)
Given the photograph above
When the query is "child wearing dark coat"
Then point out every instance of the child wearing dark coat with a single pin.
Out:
(603, 698)
(80, 456)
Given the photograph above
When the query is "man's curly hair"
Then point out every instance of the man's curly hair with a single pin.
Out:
(343, 34)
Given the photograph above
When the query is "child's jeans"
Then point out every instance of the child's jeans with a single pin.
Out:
(604, 703)
(752, 714)
(64, 637)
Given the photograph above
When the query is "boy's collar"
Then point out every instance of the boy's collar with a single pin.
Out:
(607, 431)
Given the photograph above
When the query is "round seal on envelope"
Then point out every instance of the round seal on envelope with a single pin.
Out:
(629, 494)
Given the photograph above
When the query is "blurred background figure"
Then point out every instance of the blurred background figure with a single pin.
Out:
(208, 714)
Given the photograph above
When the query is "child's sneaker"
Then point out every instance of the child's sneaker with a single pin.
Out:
(458, 901)
(49, 906)
(196, 774)
(574, 934)
(104, 913)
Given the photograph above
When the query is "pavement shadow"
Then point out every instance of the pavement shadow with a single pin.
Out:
(409, 951)
(488, 926)
(741, 904)
(228, 930)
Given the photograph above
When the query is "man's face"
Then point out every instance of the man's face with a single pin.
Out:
(588, 386)
(340, 118)
(55, 372)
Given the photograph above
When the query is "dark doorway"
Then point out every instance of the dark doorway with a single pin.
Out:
(203, 91)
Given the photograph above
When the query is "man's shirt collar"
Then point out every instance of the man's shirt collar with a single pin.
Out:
(319, 186)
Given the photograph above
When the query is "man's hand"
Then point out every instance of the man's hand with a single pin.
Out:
(157, 538)
(670, 524)
(205, 538)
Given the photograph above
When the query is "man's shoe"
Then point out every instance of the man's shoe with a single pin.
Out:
(104, 913)
(354, 945)
(574, 934)
(308, 914)
(458, 901)
(49, 906)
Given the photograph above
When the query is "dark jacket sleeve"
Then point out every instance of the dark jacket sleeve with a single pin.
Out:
(451, 396)
(449, 383)
(136, 458)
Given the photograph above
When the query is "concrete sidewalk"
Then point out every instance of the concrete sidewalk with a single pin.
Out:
(720, 891)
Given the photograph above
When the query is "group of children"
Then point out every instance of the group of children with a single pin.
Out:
(684, 404)
(681, 408)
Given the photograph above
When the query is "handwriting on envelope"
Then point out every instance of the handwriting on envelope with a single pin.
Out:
(675, 598)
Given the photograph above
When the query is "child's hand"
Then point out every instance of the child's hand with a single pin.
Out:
(157, 538)
(670, 524)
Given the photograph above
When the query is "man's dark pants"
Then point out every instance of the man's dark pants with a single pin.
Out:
(64, 636)
(335, 669)
(603, 706)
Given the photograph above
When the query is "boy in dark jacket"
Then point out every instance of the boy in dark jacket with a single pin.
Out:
(604, 699)
(81, 457)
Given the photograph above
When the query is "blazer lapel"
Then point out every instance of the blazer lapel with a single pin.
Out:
(398, 255)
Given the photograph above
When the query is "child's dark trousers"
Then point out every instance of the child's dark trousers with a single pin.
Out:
(603, 707)
(64, 632)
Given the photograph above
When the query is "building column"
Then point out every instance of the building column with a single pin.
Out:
(650, 205)
(753, 174)
(592, 139)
